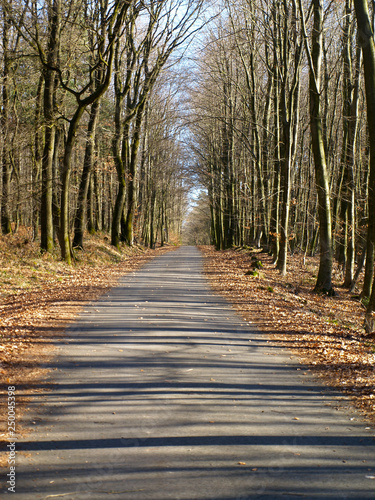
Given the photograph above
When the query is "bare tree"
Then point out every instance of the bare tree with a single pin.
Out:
(366, 37)
(168, 26)
(314, 53)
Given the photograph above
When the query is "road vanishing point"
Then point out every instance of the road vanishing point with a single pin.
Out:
(160, 390)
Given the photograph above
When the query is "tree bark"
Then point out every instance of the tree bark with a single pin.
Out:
(6, 226)
(81, 215)
(324, 279)
(66, 249)
(289, 113)
(350, 121)
(132, 178)
(46, 213)
(366, 37)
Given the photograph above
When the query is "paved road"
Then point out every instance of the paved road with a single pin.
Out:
(163, 392)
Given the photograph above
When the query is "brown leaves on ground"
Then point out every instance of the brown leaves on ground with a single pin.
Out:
(325, 332)
(41, 295)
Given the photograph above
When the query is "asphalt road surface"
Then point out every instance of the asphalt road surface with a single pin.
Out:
(161, 391)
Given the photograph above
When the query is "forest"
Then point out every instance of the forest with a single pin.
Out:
(113, 112)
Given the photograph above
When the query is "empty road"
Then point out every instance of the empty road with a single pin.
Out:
(161, 391)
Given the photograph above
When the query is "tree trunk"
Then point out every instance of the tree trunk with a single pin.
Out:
(80, 219)
(46, 215)
(285, 198)
(121, 159)
(275, 200)
(366, 37)
(289, 49)
(132, 177)
(350, 121)
(38, 156)
(324, 279)
(66, 249)
(6, 226)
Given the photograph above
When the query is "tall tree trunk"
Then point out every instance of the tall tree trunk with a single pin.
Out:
(80, 218)
(289, 113)
(90, 205)
(275, 200)
(98, 200)
(350, 121)
(324, 279)
(56, 195)
(38, 156)
(6, 226)
(66, 249)
(132, 177)
(366, 37)
(285, 186)
(120, 148)
(121, 160)
(46, 214)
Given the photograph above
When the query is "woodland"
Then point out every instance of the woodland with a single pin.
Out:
(114, 112)
(248, 128)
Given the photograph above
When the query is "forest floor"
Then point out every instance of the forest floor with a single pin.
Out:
(40, 296)
(326, 333)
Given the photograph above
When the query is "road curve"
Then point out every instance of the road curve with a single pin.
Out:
(161, 391)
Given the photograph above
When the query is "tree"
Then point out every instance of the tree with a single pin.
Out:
(49, 58)
(324, 279)
(111, 28)
(5, 124)
(80, 221)
(288, 54)
(164, 32)
(366, 37)
(351, 82)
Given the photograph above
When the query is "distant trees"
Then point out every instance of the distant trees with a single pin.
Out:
(76, 80)
(141, 56)
(196, 229)
(277, 125)
(281, 143)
